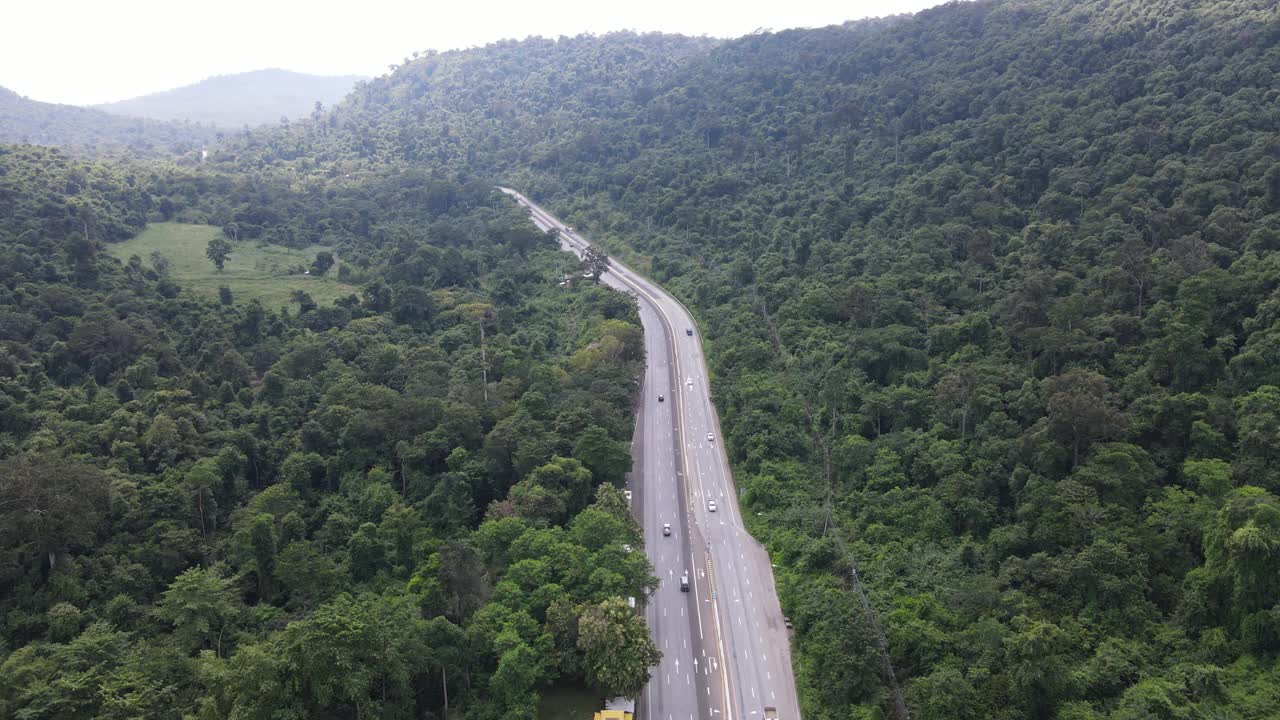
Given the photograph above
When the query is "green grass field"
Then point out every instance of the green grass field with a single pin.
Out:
(564, 702)
(252, 271)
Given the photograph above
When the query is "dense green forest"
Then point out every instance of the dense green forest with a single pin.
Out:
(388, 506)
(989, 293)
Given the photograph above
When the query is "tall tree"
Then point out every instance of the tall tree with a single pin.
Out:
(1079, 411)
(324, 260)
(199, 604)
(218, 250)
(616, 647)
(49, 504)
(595, 261)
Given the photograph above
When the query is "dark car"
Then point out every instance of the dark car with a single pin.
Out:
(661, 398)
(688, 331)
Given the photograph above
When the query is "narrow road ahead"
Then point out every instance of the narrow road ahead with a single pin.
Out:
(726, 652)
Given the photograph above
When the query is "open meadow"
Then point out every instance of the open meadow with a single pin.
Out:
(266, 272)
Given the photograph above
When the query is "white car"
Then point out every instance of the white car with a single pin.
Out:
(711, 438)
(666, 529)
(711, 505)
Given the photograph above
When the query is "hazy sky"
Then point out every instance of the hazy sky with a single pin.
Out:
(90, 51)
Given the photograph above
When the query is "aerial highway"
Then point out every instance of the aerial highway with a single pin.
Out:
(726, 652)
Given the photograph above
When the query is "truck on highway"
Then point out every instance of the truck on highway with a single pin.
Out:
(619, 708)
(771, 713)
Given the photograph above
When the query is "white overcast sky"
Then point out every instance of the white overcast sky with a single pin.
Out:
(91, 51)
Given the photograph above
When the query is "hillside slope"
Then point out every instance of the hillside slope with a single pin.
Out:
(27, 121)
(990, 294)
(398, 504)
(990, 297)
(480, 110)
(232, 101)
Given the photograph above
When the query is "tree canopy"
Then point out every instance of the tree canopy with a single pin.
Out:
(988, 295)
(216, 509)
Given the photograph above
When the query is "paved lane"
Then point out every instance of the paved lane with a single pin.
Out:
(732, 610)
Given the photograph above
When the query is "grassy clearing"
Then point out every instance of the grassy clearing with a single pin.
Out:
(253, 271)
(566, 702)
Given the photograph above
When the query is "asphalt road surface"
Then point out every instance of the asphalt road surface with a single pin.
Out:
(726, 652)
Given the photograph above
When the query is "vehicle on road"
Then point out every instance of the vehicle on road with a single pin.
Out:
(666, 529)
(688, 331)
(711, 505)
(771, 713)
(618, 708)
(661, 398)
(684, 582)
(627, 493)
(711, 438)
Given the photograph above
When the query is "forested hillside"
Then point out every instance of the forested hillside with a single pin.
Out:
(233, 101)
(482, 112)
(989, 295)
(989, 291)
(385, 507)
(27, 121)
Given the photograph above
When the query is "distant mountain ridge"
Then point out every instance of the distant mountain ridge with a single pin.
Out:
(27, 121)
(251, 98)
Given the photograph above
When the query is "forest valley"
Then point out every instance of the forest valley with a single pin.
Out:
(990, 296)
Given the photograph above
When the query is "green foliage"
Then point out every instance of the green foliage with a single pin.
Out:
(1000, 327)
(38, 123)
(596, 262)
(616, 648)
(214, 509)
(608, 459)
(351, 657)
(988, 323)
(987, 293)
(324, 260)
(198, 604)
(218, 250)
(267, 273)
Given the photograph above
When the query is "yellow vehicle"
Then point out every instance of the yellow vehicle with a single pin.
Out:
(617, 709)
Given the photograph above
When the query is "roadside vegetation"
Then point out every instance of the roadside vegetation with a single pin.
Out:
(406, 500)
(989, 295)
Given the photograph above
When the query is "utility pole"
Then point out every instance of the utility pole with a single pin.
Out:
(484, 358)
(484, 365)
